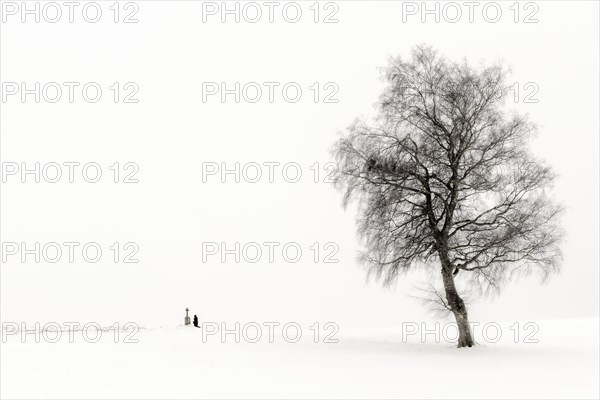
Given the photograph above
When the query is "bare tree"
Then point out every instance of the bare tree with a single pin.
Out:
(443, 176)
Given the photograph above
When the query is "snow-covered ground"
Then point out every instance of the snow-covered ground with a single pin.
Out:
(175, 362)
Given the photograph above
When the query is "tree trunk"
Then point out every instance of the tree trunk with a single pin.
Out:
(457, 306)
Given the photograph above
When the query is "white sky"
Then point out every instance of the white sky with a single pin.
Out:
(171, 132)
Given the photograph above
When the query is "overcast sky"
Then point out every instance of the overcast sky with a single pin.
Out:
(170, 55)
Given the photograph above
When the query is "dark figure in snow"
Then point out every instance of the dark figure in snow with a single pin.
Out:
(196, 321)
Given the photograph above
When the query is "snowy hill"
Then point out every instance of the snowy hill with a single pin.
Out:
(178, 362)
